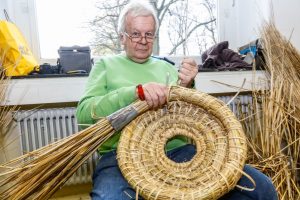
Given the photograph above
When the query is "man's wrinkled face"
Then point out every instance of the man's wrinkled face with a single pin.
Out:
(138, 50)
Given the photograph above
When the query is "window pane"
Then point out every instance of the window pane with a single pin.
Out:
(63, 23)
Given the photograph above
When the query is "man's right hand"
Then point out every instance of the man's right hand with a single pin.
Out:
(155, 94)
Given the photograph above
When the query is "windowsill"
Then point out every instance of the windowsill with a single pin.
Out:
(31, 90)
(69, 88)
(224, 82)
(49, 76)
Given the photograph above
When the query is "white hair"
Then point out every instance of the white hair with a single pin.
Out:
(136, 8)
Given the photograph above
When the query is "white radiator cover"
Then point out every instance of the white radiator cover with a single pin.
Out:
(44, 126)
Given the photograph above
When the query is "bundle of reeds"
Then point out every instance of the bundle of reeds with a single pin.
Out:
(40, 173)
(272, 125)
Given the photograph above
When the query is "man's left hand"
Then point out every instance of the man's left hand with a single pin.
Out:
(187, 72)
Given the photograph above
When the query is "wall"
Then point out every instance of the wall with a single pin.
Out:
(286, 15)
(240, 21)
(22, 13)
(237, 21)
(3, 5)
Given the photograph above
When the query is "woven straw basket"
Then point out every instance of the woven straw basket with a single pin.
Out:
(212, 127)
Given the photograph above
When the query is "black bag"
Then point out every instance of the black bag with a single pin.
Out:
(46, 68)
(74, 59)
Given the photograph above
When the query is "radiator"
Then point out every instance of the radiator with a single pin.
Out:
(41, 127)
(239, 105)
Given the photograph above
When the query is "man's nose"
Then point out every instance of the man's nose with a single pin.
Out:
(143, 40)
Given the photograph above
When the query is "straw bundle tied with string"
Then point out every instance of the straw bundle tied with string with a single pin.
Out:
(212, 172)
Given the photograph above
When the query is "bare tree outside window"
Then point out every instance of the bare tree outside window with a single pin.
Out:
(185, 26)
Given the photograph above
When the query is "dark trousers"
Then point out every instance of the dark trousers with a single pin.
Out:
(109, 183)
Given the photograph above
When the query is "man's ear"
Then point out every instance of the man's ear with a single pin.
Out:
(122, 38)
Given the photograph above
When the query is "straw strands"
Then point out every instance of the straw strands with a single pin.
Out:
(5, 114)
(273, 123)
(4, 117)
(218, 136)
(40, 173)
(5, 111)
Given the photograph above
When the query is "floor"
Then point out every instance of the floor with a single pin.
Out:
(73, 197)
(75, 192)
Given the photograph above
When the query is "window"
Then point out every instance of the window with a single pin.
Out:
(63, 23)
(183, 30)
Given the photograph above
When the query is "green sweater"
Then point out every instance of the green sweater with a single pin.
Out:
(111, 86)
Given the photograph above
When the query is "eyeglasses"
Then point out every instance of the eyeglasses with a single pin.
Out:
(137, 37)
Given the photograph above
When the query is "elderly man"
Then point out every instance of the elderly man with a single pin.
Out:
(117, 81)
